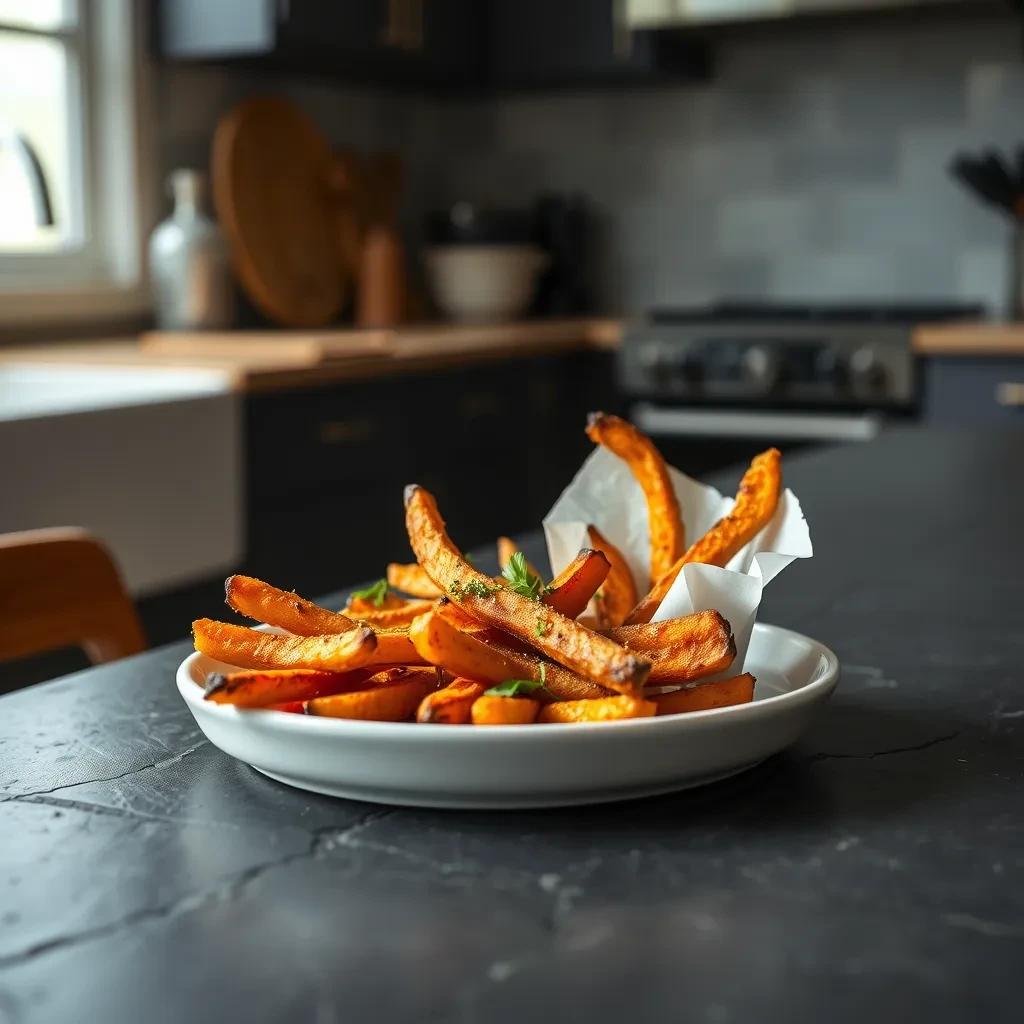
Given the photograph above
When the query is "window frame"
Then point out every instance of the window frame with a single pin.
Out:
(102, 279)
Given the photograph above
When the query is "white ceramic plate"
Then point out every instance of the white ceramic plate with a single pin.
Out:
(527, 765)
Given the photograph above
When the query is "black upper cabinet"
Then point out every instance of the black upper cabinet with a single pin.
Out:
(436, 44)
(537, 43)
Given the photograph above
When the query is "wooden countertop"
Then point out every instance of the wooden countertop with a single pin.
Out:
(966, 339)
(274, 360)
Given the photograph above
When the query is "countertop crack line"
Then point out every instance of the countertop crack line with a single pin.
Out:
(155, 766)
(825, 756)
(321, 840)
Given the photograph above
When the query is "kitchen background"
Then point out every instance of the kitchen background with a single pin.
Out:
(801, 159)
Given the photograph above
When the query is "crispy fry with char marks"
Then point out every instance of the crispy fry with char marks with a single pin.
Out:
(411, 579)
(607, 709)
(680, 649)
(667, 533)
(252, 648)
(260, 688)
(390, 618)
(505, 710)
(721, 693)
(451, 705)
(463, 654)
(507, 547)
(617, 596)
(756, 501)
(565, 641)
(264, 603)
(391, 696)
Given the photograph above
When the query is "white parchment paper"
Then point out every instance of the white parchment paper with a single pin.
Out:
(605, 493)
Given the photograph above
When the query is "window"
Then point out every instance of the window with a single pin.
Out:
(69, 167)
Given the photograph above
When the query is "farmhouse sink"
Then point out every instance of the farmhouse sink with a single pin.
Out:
(147, 459)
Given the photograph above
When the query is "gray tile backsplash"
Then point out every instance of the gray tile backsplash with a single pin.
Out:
(813, 164)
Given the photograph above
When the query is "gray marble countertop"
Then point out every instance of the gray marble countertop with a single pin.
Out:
(873, 872)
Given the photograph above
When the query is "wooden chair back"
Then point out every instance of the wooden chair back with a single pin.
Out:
(61, 588)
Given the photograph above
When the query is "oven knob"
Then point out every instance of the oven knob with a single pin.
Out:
(760, 367)
(866, 370)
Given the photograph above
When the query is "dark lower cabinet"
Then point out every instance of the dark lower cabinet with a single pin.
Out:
(974, 389)
(326, 468)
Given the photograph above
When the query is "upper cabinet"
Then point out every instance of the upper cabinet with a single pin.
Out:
(536, 43)
(435, 44)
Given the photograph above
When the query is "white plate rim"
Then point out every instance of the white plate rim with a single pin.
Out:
(817, 689)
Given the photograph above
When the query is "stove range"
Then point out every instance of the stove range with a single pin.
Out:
(787, 355)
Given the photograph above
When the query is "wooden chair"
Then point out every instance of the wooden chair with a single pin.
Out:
(61, 588)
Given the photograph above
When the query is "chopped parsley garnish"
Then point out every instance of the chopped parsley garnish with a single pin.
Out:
(542, 628)
(518, 687)
(477, 588)
(521, 580)
(455, 589)
(375, 593)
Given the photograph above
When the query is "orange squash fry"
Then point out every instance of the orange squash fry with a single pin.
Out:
(441, 643)
(391, 696)
(505, 710)
(668, 537)
(411, 579)
(682, 649)
(563, 640)
(607, 709)
(721, 693)
(507, 547)
(617, 596)
(394, 648)
(571, 590)
(451, 705)
(260, 688)
(389, 618)
(252, 648)
(264, 603)
(756, 501)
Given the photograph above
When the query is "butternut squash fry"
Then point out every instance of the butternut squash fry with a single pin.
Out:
(451, 705)
(264, 603)
(390, 618)
(617, 596)
(680, 649)
(721, 693)
(668, 536)
(607, 709)
(252, 648)
(504, 710)
(411, 579)
(464, 654)
(261, 688)
(391, 696)
(756, 501)
(581, 651)
(572, 589)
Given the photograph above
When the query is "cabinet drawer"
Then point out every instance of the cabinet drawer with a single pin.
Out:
(974, 390)
(309, 440)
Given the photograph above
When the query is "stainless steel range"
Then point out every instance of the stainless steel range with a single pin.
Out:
(780, 374)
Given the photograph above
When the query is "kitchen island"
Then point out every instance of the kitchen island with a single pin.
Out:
(873, 872)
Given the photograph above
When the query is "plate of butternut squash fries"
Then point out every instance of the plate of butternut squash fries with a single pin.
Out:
(444, 685)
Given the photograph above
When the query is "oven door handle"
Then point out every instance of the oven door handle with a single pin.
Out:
(771, 426)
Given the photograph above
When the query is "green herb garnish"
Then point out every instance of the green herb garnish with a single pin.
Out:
(519, 687)
(542, 628)
(455, 589)
(521, 580)
(477, 588)
(375, 593)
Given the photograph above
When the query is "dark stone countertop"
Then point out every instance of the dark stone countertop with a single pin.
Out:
(873, 872)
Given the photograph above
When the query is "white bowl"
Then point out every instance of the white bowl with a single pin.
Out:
(484, 282)
(527, 765)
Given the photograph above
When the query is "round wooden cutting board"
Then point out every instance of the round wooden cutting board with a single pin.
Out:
(270, 169)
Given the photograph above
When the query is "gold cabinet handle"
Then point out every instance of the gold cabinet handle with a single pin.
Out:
(345, 431)
(1010, 394)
